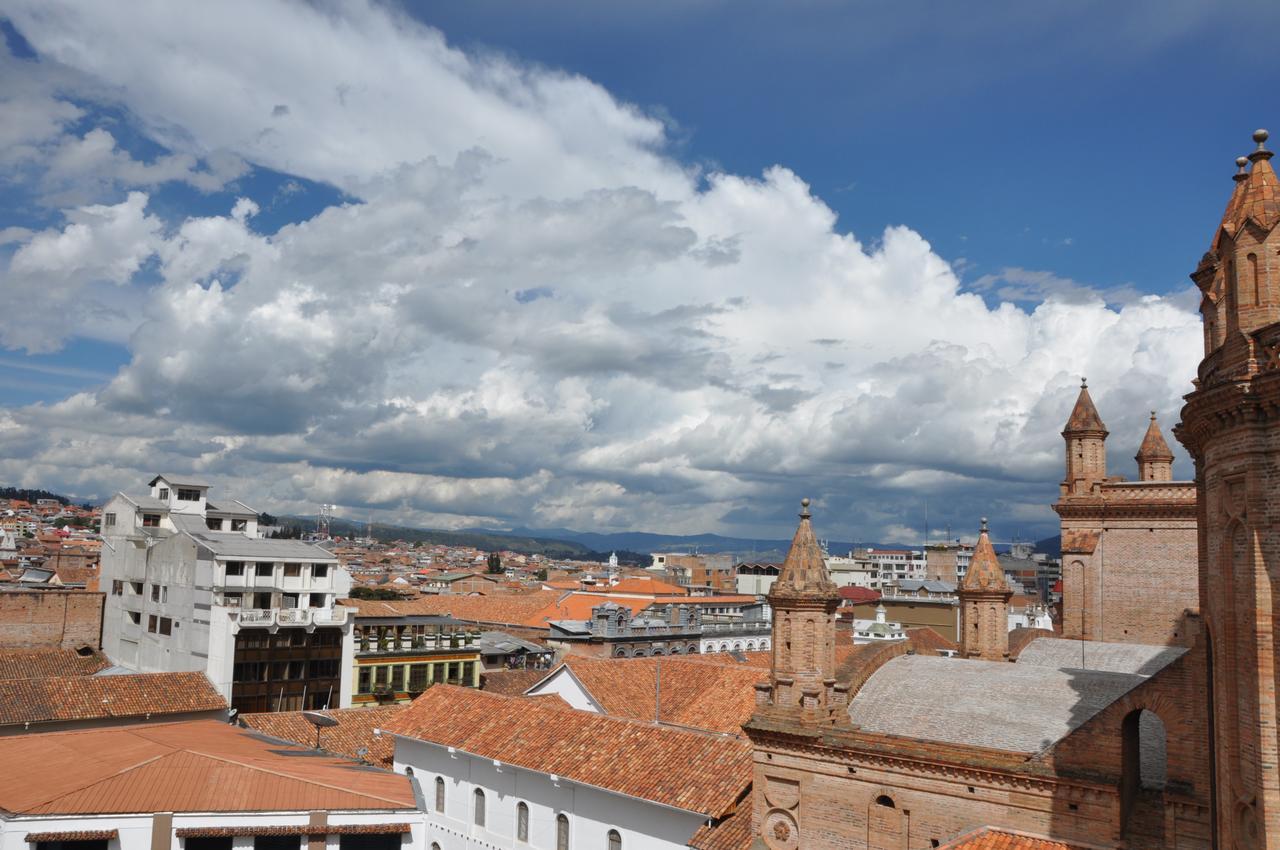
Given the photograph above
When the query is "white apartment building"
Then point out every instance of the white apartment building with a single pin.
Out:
(191, 586)
(848, 571)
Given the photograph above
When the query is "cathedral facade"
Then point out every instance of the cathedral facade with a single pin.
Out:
(1150, 721)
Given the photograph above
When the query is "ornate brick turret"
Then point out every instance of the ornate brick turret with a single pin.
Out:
(1086, 438)
(1155, 460)
(804, 602)
(1231, 427)
(984, 604)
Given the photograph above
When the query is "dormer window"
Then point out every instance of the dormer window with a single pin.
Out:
(164, 494)
(150, 520)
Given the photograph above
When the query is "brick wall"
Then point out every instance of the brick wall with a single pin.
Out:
(50, 618)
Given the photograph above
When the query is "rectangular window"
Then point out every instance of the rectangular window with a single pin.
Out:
(324, 668)
(185, 495)
(135, 617)
(418, 677)
(108, 520)
(235, 568)
(397, 678)
(213, 523)
(155, 593)
(467, 672)
(151, 623)
(232, 600)
(136, 588)
(319, 570)
(239, 524)
(117, 588)
(293, 570)
(150, 520)
(207, 843)
(279, 842)
(166, 626)
(164, 494)
(365, 681)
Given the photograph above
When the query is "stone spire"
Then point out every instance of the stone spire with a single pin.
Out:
(1155, 460)
(1086, 447)
(1257, 196)
(804, 571)
(804, 601)
(984, 604)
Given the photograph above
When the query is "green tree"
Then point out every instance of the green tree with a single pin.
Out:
(379, 594)
(495, 563)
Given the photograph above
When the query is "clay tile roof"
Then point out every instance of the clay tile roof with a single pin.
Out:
(693, 771)
(1079, 542)
(1020, 638)
(645, 584)
(985, 574)
(353, 732)
(508, 609)
(512, 683)
(711, 692)
(41, 663)
(925, 641)
(990, 838)
(1084, 416)
(1153, 445)
(191, 766)
(804, 572)
(856, 595)
(99, 697)
(731, 833)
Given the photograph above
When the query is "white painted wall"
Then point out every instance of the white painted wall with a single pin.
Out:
(592, 811)
(563, 684)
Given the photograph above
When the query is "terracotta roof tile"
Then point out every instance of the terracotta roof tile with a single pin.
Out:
(644, 584)
(192, 766)
(1084, 416)
(694, 771)
(99, 697)
(1257, 198)
(698, 691)
(990, 838)
(1079, 542)
(804, 571)
(731, 833)
(1153, 445)
(512, 683)
(353, 732)
(73, 835)
(985, 575)
(39, 663)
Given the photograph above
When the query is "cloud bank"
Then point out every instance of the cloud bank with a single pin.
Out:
(529, 312)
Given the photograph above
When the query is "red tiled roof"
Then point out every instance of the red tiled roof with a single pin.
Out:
(1020, 637)
(100, 697)
(39, 663)
(353, 732)
(693, 771)
(731, 833)
(859, 595)
(192, 766)
(296, 829)
(73, 835)
(695, 690)
(645, 584)
(990, 838)
(513, 683)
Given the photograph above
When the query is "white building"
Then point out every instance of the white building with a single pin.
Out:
(191, 586)
(848, 571)
(506, 772)
(879, 629)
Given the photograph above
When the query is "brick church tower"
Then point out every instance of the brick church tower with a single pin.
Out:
(804, 602)
(1086, 438)
(1155, 460)
(984, 605)
(1231, 427)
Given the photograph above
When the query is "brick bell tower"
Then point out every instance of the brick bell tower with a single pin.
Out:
(1231, 427)
(1086, 438)
(984, 604)
(1155, 460)
(804, 601)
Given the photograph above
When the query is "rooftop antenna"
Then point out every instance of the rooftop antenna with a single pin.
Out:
(320, 721)
(323, 521)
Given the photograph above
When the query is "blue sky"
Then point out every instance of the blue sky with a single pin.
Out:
(305, 267)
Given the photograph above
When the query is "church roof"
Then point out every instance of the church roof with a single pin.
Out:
(1084, 416)
(1026, 707)
(985, 575)
(1153, 445)
(804, 572)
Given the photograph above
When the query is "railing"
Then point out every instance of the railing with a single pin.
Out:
(255, 617)
(293, 616)
(751, 626)
(329, 616)
(406, 643)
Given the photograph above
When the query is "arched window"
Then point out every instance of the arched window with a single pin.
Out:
(886, 801)
(479, 808)
(562, 832)
(440, 794)
(1255, 284)
(435, 845)
(1143, 761)
(522, 822)
(615, 840)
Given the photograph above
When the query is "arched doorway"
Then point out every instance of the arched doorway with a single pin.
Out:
(1144, 772)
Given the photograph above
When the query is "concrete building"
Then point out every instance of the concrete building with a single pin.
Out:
(191, 587)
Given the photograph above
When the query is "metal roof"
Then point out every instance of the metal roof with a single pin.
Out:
(179, 480)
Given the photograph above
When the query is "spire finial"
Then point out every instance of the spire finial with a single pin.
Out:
(1241, 174)
(1153, 416)
(804, 508)
(1260, 136)
(984, 526)
(1084, 382)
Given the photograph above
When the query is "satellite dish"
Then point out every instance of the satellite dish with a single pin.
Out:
(319, 720)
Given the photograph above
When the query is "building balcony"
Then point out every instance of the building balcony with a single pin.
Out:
(740, 627)
(335, 616)
(293, 616)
